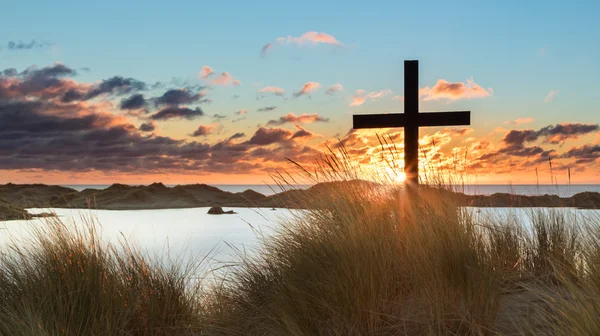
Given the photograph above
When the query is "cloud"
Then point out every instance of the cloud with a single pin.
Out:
(302, 133)
(178, 97)
(310, 38)
(584, 154)
(175, 112)
(265, 49)
(20, 45)
(308, 87)
(135, 102)
(241, 112)
(148, 127)
(206, 72)
(361, 96)
(40, 132)
(219, 117)
(550, 96)
(292, 118)
(115, 86)
(267, 108)
(519, 121)
(334, 88)
(204, 130)
(268, 136)
(454, 91)
(225, 79)
(236, 136)
(398, 98)
(556, 134)
(272, 89)
(47, 82)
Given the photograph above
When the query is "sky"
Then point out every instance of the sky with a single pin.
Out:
(230, 91)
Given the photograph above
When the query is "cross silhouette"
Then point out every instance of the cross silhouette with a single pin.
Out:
(411, 120)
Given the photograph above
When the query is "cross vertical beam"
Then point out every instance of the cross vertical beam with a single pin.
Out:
(411, 128)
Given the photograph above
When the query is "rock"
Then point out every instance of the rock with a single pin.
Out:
(219, 211)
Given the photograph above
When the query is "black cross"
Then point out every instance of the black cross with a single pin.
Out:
(411, 120)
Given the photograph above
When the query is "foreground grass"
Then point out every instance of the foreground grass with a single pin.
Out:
(69, 282)
(370, 261)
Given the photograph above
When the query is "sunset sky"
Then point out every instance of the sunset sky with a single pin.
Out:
(223, 92)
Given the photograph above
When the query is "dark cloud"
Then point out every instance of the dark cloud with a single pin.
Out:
(583, 154)
(11, 72)
(237, 136)
(38, 131)
(267, 108)
(302, 133)
(45, 82)
(174, 112)
(148, 127)
(178, 97)
(556, 134)
(20, 45)
(114, 86)
(518, 138)
(267, 136)
(55, 70)
(135, 102)
(562, 132)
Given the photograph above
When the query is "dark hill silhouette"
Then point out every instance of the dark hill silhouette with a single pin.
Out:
(16, 197)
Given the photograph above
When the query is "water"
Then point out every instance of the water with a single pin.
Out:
(173, 232)
(563, 190)
(192, 232)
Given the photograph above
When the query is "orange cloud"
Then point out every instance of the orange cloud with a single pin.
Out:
(307, 88)
(206, 72)
(303, 118)
(454, 91)
(361, 96)
(242, 111)
(272, 89)
(399, 98)
(308, 38)
(204, 130)
(335, 88)
(225, 79)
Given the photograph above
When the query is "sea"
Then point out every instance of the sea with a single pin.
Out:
(181, 234)
(562, 190)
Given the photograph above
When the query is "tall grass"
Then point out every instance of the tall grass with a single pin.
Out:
(66, 281)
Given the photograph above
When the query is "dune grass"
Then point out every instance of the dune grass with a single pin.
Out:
(368, 260)
(66, 281)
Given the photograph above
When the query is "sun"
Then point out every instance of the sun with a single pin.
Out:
(400, 177)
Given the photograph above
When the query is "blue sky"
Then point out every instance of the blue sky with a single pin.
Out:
(521, 50)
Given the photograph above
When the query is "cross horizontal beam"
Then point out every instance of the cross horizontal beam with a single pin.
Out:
(459, 118)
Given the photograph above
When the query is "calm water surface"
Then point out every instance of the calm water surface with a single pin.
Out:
(192, 232)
